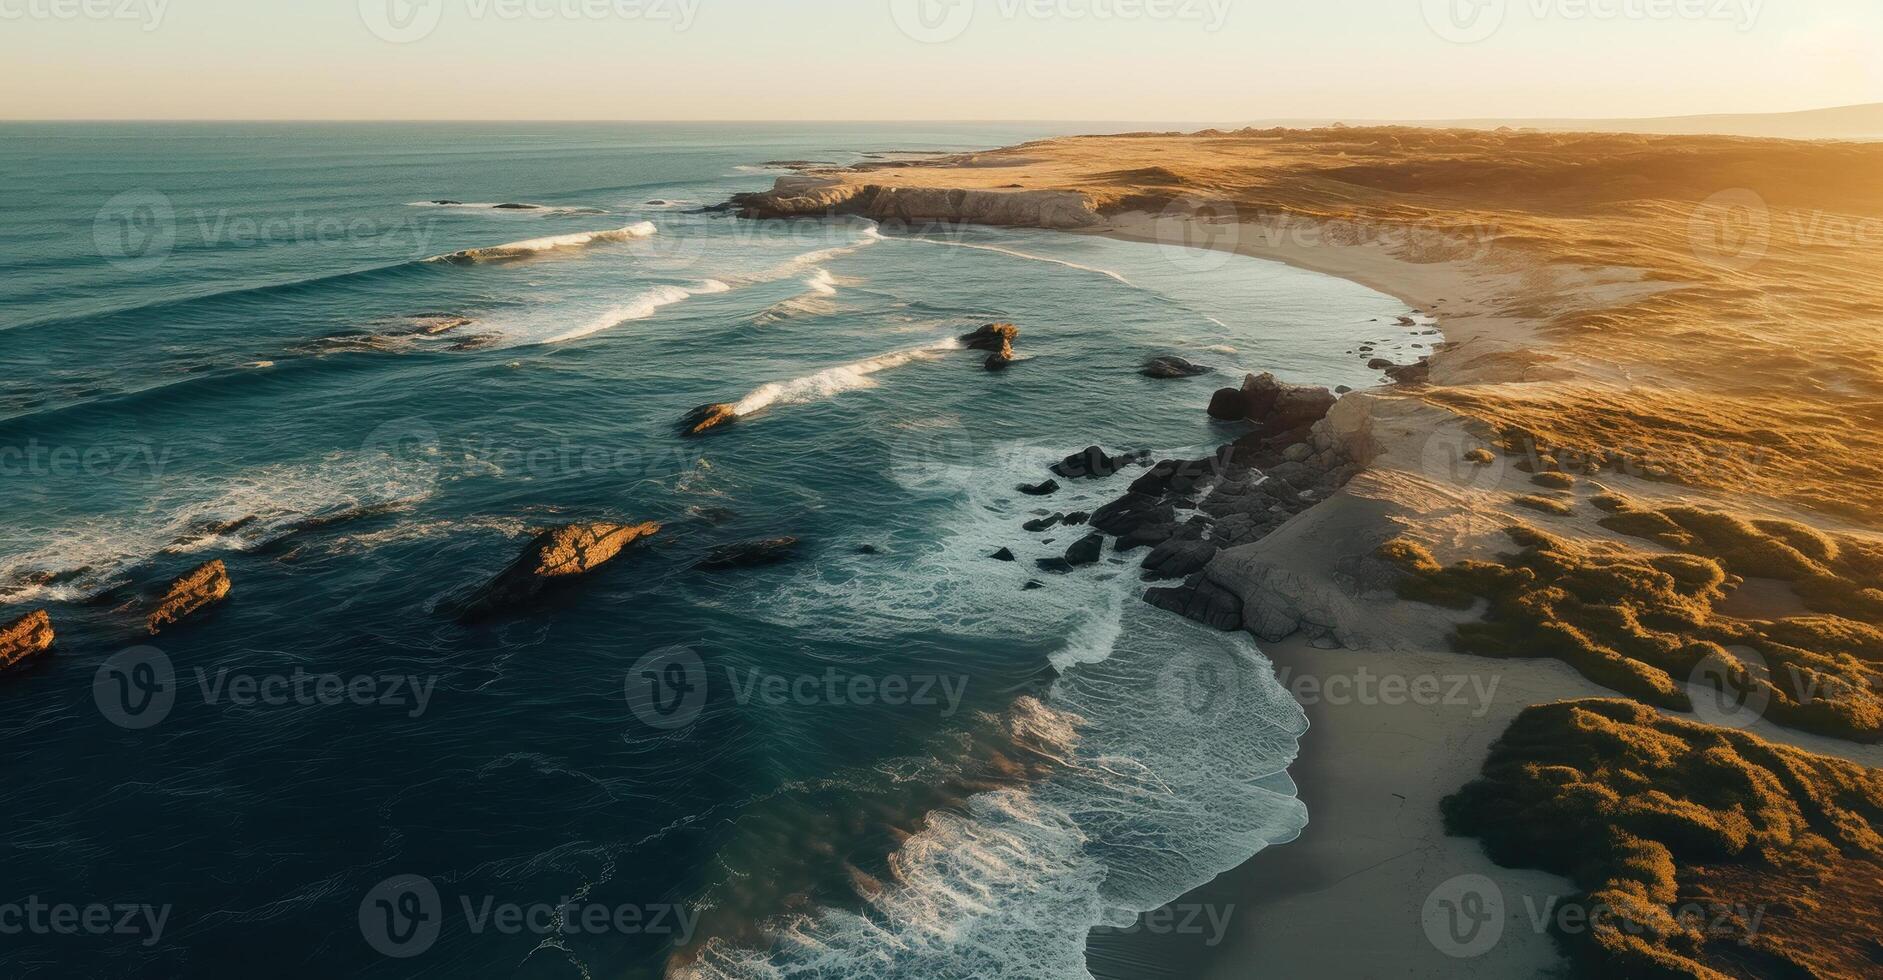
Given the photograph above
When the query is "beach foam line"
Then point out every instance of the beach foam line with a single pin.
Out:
(837, 380)
(1016, 253)
(553, 243)
(640, 307)
(812, 259)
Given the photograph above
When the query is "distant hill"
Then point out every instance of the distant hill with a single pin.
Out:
(1845, 122)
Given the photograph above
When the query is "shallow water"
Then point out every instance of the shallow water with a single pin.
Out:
(229, 342)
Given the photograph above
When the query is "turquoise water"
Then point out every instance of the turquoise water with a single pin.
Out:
(217, 347)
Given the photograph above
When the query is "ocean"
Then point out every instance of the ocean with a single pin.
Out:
(327, 355)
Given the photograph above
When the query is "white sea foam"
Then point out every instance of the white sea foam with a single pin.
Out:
(1173, 738)
(507, 208)
(1016, 253)
(822, 283)
(836, 380)
(554, 243)
(232, 513)
(642, 306)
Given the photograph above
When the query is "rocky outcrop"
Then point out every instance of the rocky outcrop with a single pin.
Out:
(1087, 551)
(749, 554)
(802, 196)
(1278, 407)
(997, 339)
(557, 555)
(1228, 405)
(205, 586)
(706, 418)
(1094, 463)
(26, 637)
(1046, 489)
(1201, 600)
(1171, 367)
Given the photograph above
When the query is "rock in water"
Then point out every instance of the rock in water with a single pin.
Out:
(1040, 489)
(27, 636)
(1094, 462)
(1165, 368)
(1087, 551)
(1229, 405)
(993, 337)
(1282, 407)
(207, 585)
(558, 554)
(749, 554)
(1000, 360)
(706, 418)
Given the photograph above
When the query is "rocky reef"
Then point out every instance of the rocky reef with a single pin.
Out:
(24, 638)
(805, 196)
(557, 555)
(205, 586)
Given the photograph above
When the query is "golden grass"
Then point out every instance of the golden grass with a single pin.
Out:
(1776, 849)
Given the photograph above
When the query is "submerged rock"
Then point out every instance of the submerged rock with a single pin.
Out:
(1094, 462)
(28, 636)
(1044, 523)
(749, 554)
(1169, 367)
(205, 586)
(1004, 554)
(1046, 489)
(558, 554)
(707, 418)
(999, 360)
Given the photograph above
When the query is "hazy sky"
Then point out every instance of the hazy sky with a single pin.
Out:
(1180, 60)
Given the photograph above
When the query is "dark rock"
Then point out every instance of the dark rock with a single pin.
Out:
(999, 360)
(1133, 510)
(1201, 600)
(1169, 367)
(707, 418)
(204, 586)
(1378, 364)
(1044, 523)
(1229, 405)
(1342, 389)
(1178, 558)
(1048, 488)
(1076, 518)
(1148, 535)
(1411, 374)
(1004, 554)
(1282, 407)
(1094, 462)
(556, 555)
(448, 202)
(1087, 551)
(995, 337)
(517, 207)
(868, 549)
(1032, 586)
(28, 636)
(749, 554)
(1057, 566)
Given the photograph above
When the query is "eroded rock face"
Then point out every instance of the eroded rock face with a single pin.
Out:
(1229, 405)
(993, 337)
(749, 554)
(205, 586)
(800, 196)
(706, 418)
(1201, 600)
(558, 554)
(26, 637)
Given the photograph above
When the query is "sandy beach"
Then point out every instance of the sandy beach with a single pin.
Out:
(1606, 296)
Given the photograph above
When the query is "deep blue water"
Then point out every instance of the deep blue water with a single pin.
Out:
(206, 326)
